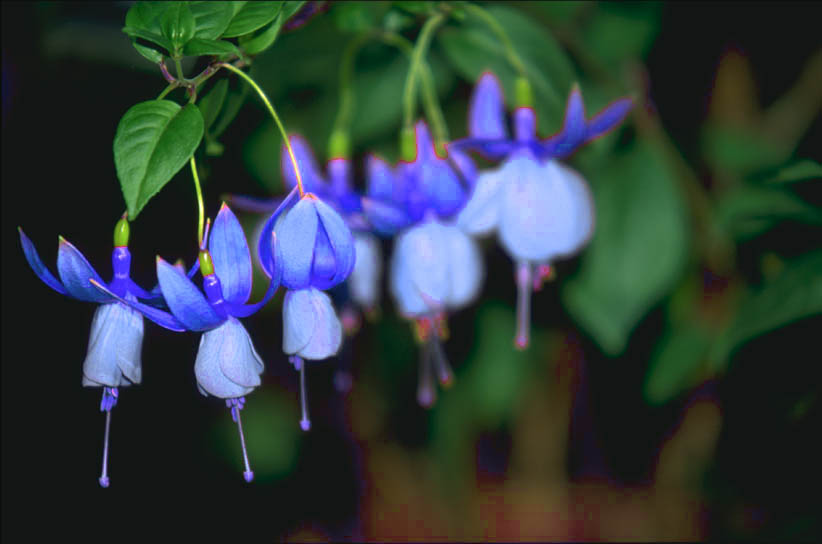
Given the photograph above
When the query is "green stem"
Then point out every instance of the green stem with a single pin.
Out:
(200, 206)
(423, 41)
(343, 117)
(170, 87)
(274, 115)
(513, 58)
(179, 67)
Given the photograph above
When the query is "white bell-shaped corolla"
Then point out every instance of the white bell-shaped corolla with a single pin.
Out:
(364, 281)
(227, 365)
(435, 266)
(115, 342)
(311, 328)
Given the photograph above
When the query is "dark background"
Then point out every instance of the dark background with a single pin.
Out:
(58, 120)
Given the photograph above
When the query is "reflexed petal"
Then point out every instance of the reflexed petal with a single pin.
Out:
(232, 260)
(385, 218)
(481, 212)
(184, 300)
(340, 240)
(297, 236)
(380, 178)
(486, 112)
(310, 310)
(466, 269)
(164, 319)
(263, 242)
(608, 118)
(311, 175)
(364, 281)
(75, 271)
(537, 214)
(419, 278)
(37, 265)
(115, 343)
(227, 365)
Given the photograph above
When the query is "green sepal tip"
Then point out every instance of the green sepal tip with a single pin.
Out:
(523, 93)
(408, 144)
(206, 265)
(122, 232)
(339, 145)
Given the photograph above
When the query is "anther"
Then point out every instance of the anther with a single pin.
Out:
(108, 402)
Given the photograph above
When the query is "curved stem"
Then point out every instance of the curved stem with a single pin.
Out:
(274, 115)
(170, 87)
(346, 89)
(497, 29)
(200, 207)
(421, 47)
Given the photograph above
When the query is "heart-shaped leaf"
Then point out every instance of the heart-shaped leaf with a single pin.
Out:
(251, 16)
(198, 46)
(153, 141)
(210, 18)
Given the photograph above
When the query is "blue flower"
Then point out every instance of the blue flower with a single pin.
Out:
(541, 209)
(227, 365)
(115, 343)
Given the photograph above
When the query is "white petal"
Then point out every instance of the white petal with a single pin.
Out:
(420, 271)
(116, 340)
(466, 270)
(364, 281)
(308, 313)
(481, 213)
(228, 347)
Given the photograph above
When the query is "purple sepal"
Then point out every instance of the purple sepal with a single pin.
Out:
(490, 149)
(164, 319)
(254, 204)
(386, 219)
(264, 244)
(525, 124)
(185, 301)
(312, 178)
(245, 310)
(486, 111)
(608, 118)
(75, 273)
(37, 265)
(232, 260)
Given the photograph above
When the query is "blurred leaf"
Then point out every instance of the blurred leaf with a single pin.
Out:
(639, 247)
(197, 46)
(415, 7)
(264, 38)
(177, 24)
(740, 150)
(211, 103)
(272, 436)
(798, 171)
(395, 21)
(145, 16)
(750, 210)
(621, 31)
(558, 11)
(794, 294)
(211, 18)
(675, 362)
(354, 16)
(231, 107)
(472, 49)
(148, 36)
(154, 140)
(251, 16)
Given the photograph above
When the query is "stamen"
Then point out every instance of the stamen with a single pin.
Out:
(108, 402)
(524, 284)
(235, 405)
(440, 361)
(426, 391)
(305, 422)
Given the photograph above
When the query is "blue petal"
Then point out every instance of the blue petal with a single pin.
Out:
(608, 118)
(380, 178)
(227, 365)
(311, 328)
(253, 204)
(480, 214)
(264, 242)
(37, 265)
(115, 343)
(245, 310)
(486, 112)
(490, 149)
(164, 319)
(385, 218)
(297, 235)
(340, 240)
(184, 300)
(312, 178)
(75, 273)
(364, 281)
(232, 261)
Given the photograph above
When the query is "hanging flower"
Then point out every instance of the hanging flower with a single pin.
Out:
(541, 209)
(113, 358)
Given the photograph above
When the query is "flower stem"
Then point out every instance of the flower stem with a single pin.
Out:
(274, 115)
(513, 58)
(421, 47)
(343, 118)
(200, 207)
(170, 87)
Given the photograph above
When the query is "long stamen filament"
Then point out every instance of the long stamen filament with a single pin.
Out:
(440, 361)
(108, 402)
(426, 391)
(248, 475)
(524, 284)
(305, 422)
(276, 118)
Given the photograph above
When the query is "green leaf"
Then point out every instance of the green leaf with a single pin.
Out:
(153, 141)
(794, 294)
(741, 150)
(211, 103)
(251, 16)
(233, 102)
(144, 16)
(472, 49)
(264, 38)
(177, 24)
(798, 171)
(211, 18)
(354, 16)
(676, 361)
(149, 37)
(751, 209)
(619, 32)
(197, 46)
(415, 7)
(638, 250)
